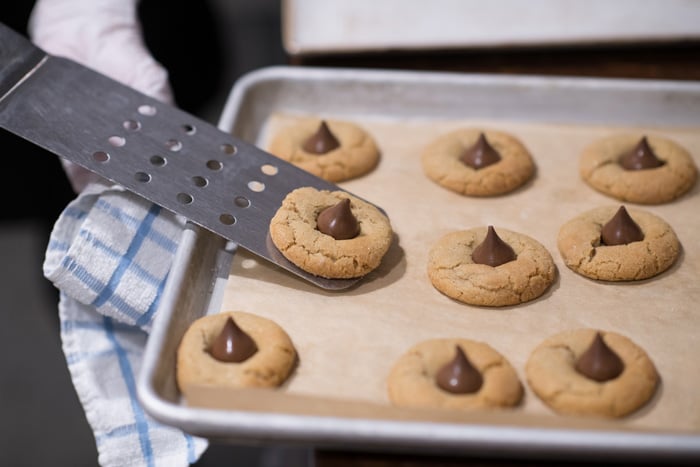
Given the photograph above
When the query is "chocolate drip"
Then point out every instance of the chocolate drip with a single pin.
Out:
(481, 154)
(599, 362)
(641, 157)
(232, 344)
(493, 251)
(459, 375)
(322, 141)
(338, 221)
(621, 229)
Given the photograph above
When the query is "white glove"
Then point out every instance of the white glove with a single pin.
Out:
(104, 35)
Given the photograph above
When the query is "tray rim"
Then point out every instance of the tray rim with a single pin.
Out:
(411, 435)
(372, 76)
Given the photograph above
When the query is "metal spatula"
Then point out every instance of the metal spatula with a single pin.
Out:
(168, 156)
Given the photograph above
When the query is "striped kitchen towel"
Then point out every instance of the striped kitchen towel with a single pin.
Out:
(109, 254)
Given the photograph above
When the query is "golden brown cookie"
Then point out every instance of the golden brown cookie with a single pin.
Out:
(442, 163)
(412, 380)
(453, 272)
(269, 366)
(581, 248)
(600, 167)
(552, 375)
(293, 230)
(356, 154)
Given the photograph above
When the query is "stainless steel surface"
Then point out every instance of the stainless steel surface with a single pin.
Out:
(172, 158)
(201, 269)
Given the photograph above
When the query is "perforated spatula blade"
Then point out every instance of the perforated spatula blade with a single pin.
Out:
(155, 150)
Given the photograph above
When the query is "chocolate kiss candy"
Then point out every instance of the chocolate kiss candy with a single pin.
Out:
(480, 155)
(641, 157)
(459, 376)
(322, 141)
(338, 221)
(621, 229)
(232, 344)
(599, 362)
(493, 251)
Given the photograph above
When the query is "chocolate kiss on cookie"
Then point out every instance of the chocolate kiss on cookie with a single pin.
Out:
(459, 375)
(599, 362)
(233, 345)
(493, 251)
(641, 157)
(338, 221)
(481, 154)
(621, 229)
(322, 141)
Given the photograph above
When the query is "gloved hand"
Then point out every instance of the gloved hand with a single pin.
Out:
(104, 35)
(91, 242)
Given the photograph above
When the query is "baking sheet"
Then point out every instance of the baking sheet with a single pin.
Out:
(348, 341)
(339, 26)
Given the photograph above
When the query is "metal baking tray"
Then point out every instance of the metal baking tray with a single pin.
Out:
(203, 262)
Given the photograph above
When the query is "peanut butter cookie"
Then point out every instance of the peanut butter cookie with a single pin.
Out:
(334, 150)
(455, 270)
(308, 238)
(477, 162)
(430, 374)
(638, 168)
(554, 373)
(234, 349)
(584, 250)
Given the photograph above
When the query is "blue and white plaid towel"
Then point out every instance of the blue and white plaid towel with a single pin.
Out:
(109, 255)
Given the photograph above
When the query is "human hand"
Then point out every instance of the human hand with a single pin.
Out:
(104, 35)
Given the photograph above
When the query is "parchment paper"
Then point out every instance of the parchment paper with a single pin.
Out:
(348, 341)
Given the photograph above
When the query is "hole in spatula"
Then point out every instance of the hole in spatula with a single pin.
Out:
(147, 110)
(158, 161)
(228, 149)
(200, 182)
(269, 169)
(142, 177)
(184, 198)
(241, 202)
(227, 219)
(256, 186)
(116, 141)
(100, 156)
(173, 145)
(189, 129)
(131, 125)
(214, 165)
